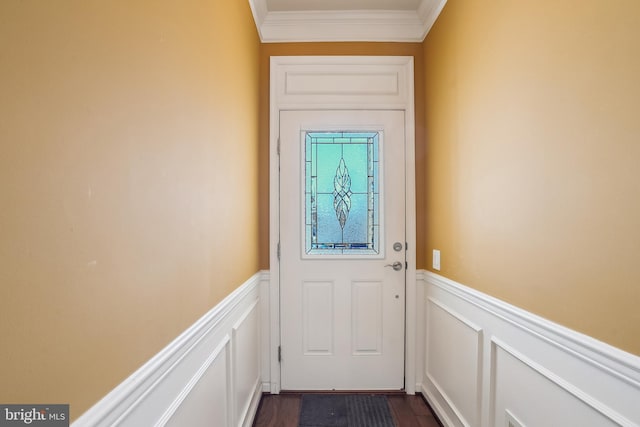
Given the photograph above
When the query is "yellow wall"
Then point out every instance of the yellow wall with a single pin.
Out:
(130, 171)
(533, 170)
(128, 182)
(381, 49)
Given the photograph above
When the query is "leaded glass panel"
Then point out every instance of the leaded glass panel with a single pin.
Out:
(341, 193)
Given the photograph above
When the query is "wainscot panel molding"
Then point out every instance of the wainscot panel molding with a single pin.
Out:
(486, 363)
(209, 375)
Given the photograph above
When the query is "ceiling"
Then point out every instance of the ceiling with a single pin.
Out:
(283, 5)
(345, 20)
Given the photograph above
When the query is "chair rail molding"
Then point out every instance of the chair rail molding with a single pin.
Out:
(483, 362)
(210, 374)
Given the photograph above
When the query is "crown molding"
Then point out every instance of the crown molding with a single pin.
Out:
(428, 13)
(369, 25)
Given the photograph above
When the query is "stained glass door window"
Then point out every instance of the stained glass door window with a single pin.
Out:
(342, 200)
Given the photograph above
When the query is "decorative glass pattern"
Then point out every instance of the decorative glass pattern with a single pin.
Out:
(341, 193)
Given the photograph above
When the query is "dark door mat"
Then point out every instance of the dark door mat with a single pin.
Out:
(345, 410)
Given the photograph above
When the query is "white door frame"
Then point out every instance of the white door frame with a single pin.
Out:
(341, 82)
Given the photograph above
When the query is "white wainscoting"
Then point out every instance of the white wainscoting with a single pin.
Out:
(486, 363)
(210, 375)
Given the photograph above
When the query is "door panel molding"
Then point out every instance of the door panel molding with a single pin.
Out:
(396, 92)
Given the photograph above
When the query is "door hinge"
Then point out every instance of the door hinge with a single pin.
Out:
(279, 354)
(278, 146)
(406, 265)
(278, 251)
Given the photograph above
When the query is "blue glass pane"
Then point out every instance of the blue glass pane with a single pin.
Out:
(328, 135)
(341, 180)
(307, 237)
(376, 148)
(307, 204)
(327, 161)
(376, 180)
(307, 178)
(355, 230)
(361, 135)
(376, 234)
(376, 210)
(307, 148)
(355, 156)
(329, 230)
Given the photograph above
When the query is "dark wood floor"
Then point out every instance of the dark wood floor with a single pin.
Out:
(282, 410)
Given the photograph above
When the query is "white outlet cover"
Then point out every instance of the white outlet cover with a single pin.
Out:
(436, 259)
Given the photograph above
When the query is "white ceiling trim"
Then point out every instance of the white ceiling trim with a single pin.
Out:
(346, 25)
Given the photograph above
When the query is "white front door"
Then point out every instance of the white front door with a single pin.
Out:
(342, 235)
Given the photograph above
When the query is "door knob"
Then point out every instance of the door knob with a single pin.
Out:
(397, 266)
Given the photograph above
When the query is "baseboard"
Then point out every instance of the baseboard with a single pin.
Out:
(209, 375)
(252, 410)
(483, 361)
